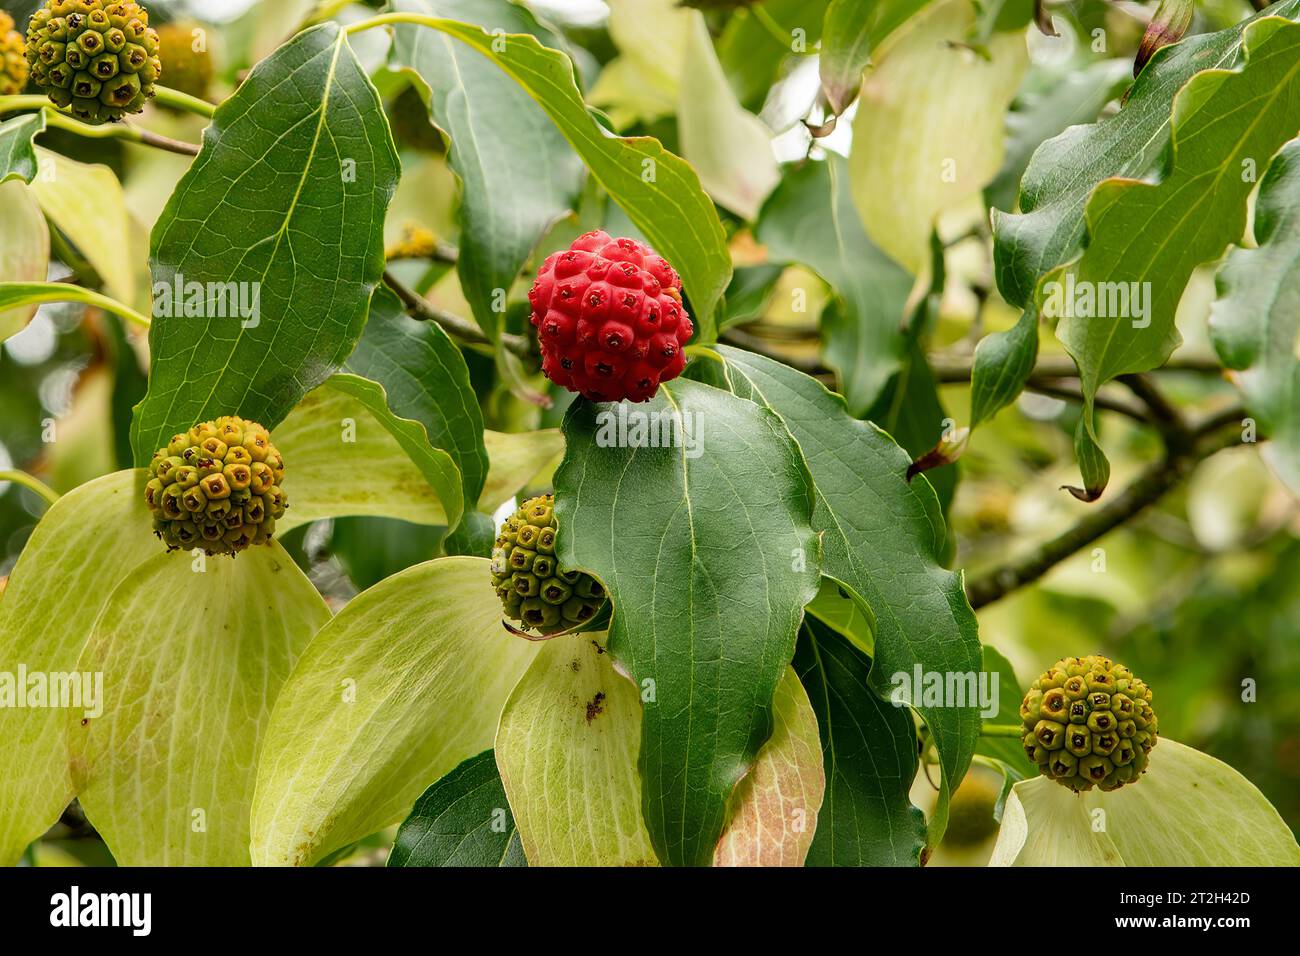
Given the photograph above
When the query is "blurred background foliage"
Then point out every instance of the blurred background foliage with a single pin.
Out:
(1198, 594)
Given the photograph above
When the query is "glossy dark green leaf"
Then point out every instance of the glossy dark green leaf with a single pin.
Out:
(1064, 170)
(426, 380)
(286, 201)
(518, 171)
(707, 551)
(1145, 239)
(659, 191)
(1061, 99)
(882, 537)
(18, 147)
(1003, 363)
(810, 219)
(462, 820)
(869, 749)
(1256, 320)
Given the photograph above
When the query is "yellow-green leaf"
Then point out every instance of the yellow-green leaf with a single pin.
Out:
(774, 809)
(567, 751)
(929, 128)
(193, 652)
(1189, 809)
(87, 204)
(342, 461)
(402, 685)
(24, 249)
(88, 543)
(567, 748)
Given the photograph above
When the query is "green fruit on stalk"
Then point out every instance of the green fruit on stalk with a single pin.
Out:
(534, 590)
(13, 58)
(217, 487)
(97, 60)
(1088, 722)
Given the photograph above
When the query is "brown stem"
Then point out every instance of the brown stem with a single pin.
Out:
(164, 142)
(1205, 439)
(420, 308)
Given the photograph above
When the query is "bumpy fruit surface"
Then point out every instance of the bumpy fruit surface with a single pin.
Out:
(1088, 723)
(534, 589)
(13, 58)
(99, 60)
(188, 70)
(610, 319)
(217, 487)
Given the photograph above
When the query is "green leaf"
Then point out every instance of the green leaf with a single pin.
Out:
(567, 748)
(1064, 171)
(774, 810)
(166, 773)
(519, 459)
(435, 464)
(869, 749)
(426, 380)
(1147, 238)
(910, 410)
(750, 290)
(18, 146)
(16, 295)
(932, 115)
(344, 459)
(1188, 809)
(462, 820)
(519, 175)
(852, 32)
(86, 203)
(708, 555)
(1003, 363)
(1064, 96)
(1256, 320)
(286, 200)
(810, 219)
(407, 681)
(89, 541)
(728, 146)
(660, 192)
(24, 251)
(753, 53)
(882, 537)
(1006, 749)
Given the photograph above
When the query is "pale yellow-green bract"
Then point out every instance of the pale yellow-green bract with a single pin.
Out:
(86, 202)
(567, 750)
(82, 549)
(24, 248)
(929, 133)
(1189, 809)
(405, 683)
(364, 471)
(193, 651)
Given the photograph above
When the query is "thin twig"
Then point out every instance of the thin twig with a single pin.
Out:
(420, 308)
(1207, 438)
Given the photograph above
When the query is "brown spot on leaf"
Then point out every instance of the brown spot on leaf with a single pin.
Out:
(596, 706)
